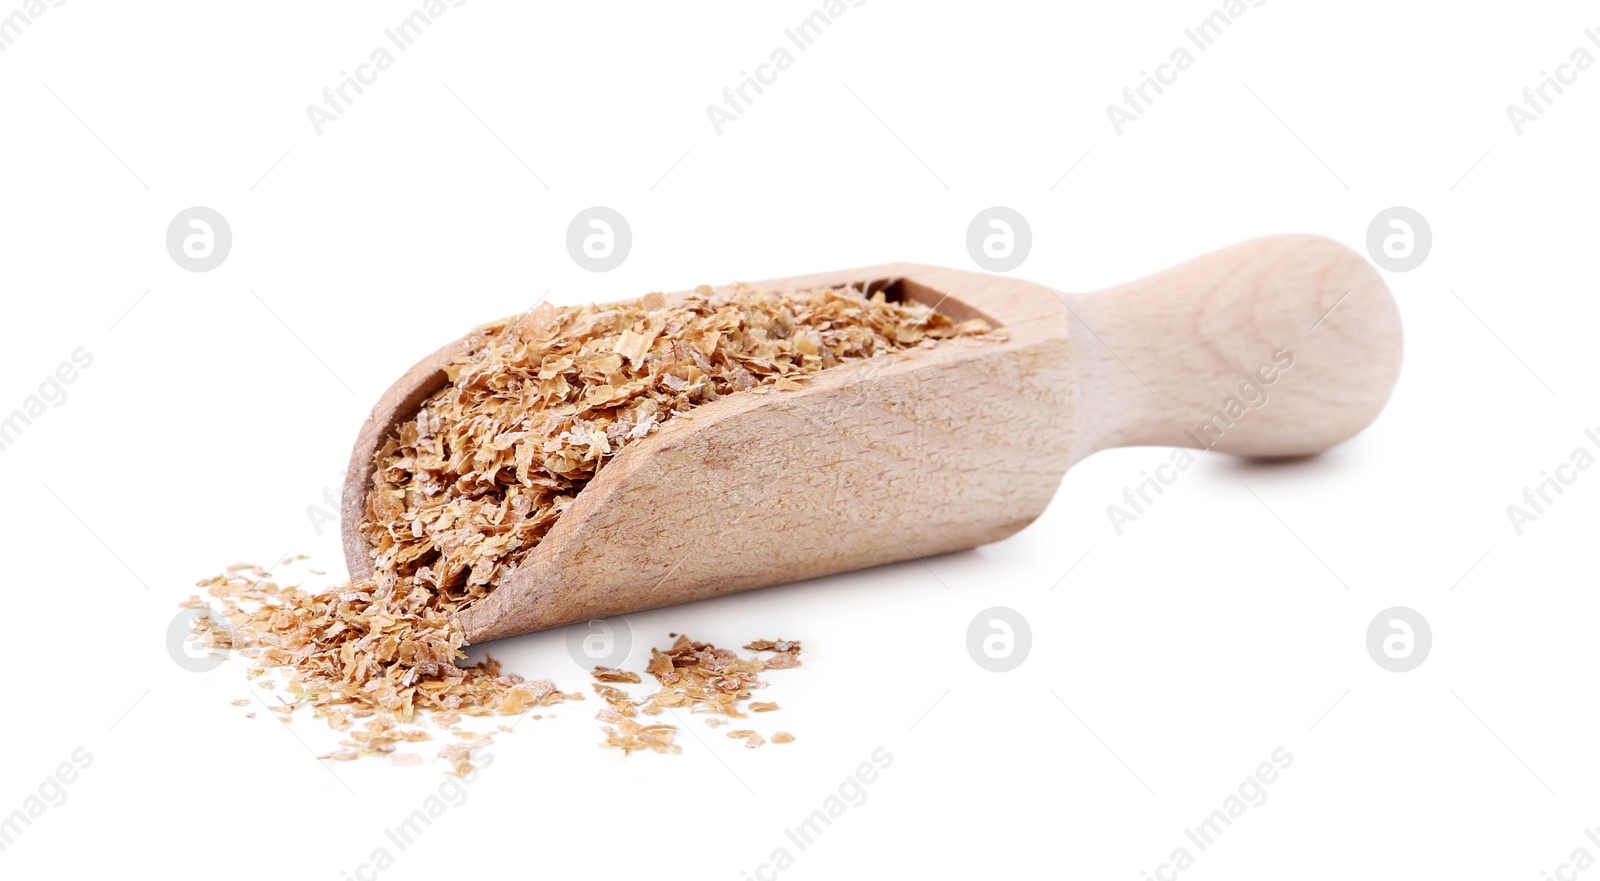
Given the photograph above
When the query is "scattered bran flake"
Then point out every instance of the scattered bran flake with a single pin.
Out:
(783, 737)
(242, 702)
(629, 736)
(459, 755)
(700, 676)
(618, 705)
(367, 652)
(783, 661)
(696, 676)
(470, 485)
(607, 674)
(774, 645)
(528, 694)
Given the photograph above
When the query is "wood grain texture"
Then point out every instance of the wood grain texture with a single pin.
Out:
(942, 449)
(1160, 358)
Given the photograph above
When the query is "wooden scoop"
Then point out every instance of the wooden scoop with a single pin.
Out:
(1280, 346)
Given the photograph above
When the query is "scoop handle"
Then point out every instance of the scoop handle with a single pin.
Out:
(1275, 347)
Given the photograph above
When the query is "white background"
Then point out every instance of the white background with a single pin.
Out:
(1170, 662)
